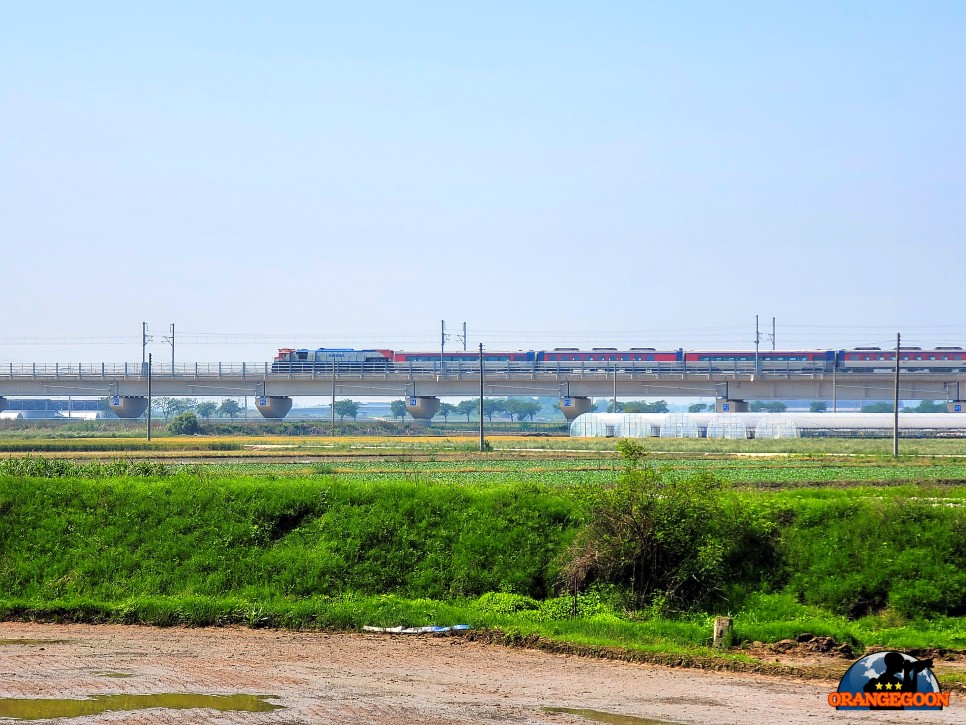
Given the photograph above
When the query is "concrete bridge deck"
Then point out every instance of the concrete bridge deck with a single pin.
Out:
(257, 379)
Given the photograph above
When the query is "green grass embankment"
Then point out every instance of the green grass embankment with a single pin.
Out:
(865, 565)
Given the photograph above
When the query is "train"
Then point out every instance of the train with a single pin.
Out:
(950, 359)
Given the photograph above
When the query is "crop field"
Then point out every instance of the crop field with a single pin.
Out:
(558, 462)
(344, 532)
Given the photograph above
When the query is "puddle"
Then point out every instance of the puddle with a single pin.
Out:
(36, 709)
(606, 717)
(110, 673)
(32, 641)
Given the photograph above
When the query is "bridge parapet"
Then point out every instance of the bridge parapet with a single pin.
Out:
(257, 379)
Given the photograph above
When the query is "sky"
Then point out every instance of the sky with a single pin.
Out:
(283, 174)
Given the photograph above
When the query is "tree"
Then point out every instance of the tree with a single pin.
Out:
(183, 405)
(493, 405)
(206, 409)
(163, 406)
(642, 406)
(346, 407)
(229, 407)
(818, 406)
(927, 406)
(398, 408)
(527, 408)
(184, 424)
(521, 408)
(876, 408)
(700, 407)
(174, 406)
(760, 406)
(468, 408)
(446, 410)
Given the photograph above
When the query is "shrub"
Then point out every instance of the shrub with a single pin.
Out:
(184, 424)
(674, 543)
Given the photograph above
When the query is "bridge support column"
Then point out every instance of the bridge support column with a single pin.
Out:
(273, 406)
(422, 408)
(724, 405)
(3, 403)
(953, 406)
(129, 406)
(572, 406)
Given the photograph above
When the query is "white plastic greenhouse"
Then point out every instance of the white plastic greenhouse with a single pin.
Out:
(762, 425)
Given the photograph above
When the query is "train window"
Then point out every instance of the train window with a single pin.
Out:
(303, 355)
(918, 357)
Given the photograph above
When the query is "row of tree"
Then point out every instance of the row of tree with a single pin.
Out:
(639, 406)
(169, 407)
(514, 408)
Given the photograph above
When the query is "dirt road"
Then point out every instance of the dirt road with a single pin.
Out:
(390, 679)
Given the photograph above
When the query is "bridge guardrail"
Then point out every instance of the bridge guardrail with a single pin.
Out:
(457, 370)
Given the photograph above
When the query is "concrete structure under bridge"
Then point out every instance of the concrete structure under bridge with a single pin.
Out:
(126, 384)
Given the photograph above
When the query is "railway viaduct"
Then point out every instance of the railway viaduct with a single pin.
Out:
(127, 385)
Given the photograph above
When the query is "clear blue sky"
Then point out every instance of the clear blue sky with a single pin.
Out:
(641, 173)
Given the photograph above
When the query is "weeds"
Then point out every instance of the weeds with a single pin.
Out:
(675, 543)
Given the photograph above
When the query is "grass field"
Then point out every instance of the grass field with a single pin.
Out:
(343, 532)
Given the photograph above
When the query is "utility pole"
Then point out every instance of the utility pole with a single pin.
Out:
(757, 341)
(482, 441)
(463, 338)
(335, 364)
(895, 412)
(149, 397)
(835, 391)
(772, 334)
(615, 385)
(442, 343)
(145, 339)
(170, 340)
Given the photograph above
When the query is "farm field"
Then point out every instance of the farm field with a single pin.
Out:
(850, 546)
(518, 459)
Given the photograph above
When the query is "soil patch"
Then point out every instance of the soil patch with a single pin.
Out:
(393, 679)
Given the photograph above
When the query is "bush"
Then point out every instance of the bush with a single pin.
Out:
(675, 544)
(184, 424)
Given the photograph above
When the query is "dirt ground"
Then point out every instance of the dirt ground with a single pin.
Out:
(389, 679)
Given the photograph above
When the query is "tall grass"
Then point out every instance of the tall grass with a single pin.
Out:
(259, 538)
(191, 545)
